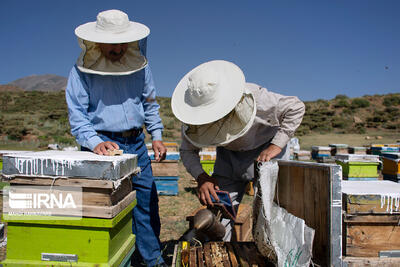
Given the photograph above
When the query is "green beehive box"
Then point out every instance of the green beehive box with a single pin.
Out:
(84, 242)
(359, 169)
(208, 166)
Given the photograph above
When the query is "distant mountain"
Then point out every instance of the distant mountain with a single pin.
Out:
(47, 82)
(7, 87)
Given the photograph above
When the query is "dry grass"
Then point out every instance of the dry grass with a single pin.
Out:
(307, 141)
(174, 209)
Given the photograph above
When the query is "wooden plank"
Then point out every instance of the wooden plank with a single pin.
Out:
(365, 204)
(175, 255)
(165, 168)
(309, 185)
(115, 152)
(79, 182)
(91, 196)
(240, 255)
(232, 256)
(366, 240)
(200, 259)
(108, 212)
(216, 255)
(193, 257)
(242, 225)
(224, 254)
(247, 236)
(207, 255)
(376, 219)
(371, 261)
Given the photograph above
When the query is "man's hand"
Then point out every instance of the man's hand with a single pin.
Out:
(102, 148)
(207, 185)
(269, 153)
(160, 151)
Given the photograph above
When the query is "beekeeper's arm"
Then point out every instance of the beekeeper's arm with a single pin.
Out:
(206, 184)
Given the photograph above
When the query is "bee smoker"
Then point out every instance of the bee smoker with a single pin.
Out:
(206, 223)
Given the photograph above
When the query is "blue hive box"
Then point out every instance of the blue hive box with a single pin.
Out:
(167, 185)
(166, 176)
(170, 155)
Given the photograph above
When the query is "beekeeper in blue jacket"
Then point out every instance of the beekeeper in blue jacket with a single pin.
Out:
(110, 96)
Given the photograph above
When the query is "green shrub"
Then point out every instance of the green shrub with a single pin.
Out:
(393, 100)
(393, 112)
(359, 103)
(323, 103)
(302, 130)
(348, 111)
(342, 103)
(360, 129)
(391, 126)
(341, 123)
(341, 97)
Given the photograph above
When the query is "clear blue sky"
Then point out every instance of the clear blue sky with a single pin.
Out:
(312, 49)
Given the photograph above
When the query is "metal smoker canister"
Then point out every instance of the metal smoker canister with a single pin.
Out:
(205, 221)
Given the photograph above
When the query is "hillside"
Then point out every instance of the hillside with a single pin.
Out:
(47, 82)
(42, 118)
(352, 115)
(8, 87)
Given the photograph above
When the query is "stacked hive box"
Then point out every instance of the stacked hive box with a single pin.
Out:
(391, 166)
(370, 220)
(4, 152)
(338, 149)
(358, 167)
(208, 156)
(171, 146)
(166, 172)
(302, 155)
(102, 236)
(378, 149)
(357, 150)
(321, 153)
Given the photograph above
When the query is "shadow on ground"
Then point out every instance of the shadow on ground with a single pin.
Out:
(167, 252)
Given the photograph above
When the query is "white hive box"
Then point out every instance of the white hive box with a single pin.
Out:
(73, 164)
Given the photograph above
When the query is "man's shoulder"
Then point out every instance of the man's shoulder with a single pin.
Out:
(75, 72)
(256, 89)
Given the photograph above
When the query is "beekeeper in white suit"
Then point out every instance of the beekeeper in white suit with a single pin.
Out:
(243, 120)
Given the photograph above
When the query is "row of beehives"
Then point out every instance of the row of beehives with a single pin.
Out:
(166, 173)
(368, 167)
(93, 227)
(324, 153)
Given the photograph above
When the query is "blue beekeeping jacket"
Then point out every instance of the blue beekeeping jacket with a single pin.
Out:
(112, 103)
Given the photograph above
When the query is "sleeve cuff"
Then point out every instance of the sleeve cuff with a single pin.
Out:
(156, 135)
(280, 139)
(196, 171)
(93, 142)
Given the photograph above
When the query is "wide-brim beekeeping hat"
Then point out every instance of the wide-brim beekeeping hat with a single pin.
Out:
(212, 102)
(111, 27)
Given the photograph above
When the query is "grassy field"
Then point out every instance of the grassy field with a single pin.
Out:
(371, 137)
